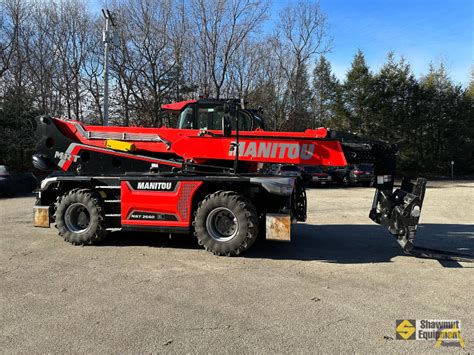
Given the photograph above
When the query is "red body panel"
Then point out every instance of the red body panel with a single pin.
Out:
(164, 204)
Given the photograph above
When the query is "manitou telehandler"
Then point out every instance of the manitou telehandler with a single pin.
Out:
(203, 177)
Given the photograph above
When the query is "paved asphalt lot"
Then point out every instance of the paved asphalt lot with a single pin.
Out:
(338, 287)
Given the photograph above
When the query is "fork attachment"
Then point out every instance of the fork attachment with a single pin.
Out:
(399, 210)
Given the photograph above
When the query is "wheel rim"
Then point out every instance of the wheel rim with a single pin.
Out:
(222, 224)
(77, 218)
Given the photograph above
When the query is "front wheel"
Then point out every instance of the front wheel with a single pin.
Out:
(79, 217)
(226, 223)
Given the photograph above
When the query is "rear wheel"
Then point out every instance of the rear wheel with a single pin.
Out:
(226, 223)
(79, 217)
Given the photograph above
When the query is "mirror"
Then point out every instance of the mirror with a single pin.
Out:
(226, 125)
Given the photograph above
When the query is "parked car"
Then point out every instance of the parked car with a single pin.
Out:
(12, 183)
(353, 174)
(315, 176)
(288, 170)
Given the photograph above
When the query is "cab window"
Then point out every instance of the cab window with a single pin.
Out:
(210, 117)
(186, 118)
(245, 122)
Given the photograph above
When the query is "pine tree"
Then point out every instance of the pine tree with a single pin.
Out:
(395, 89)
(357, 94)
(395, 107)
(445, 115)
(299, 100)
(470, 88)
(325, 95)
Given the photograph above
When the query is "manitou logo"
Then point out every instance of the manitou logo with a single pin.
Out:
(66, 156)
(151, 185)
(273, 150)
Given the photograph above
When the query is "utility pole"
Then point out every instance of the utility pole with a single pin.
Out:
(108, 39)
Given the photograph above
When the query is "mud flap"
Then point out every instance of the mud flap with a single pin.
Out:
(400, 210)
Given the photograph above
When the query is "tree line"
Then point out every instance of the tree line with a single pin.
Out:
(51, 62)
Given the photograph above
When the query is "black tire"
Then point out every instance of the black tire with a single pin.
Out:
(226, 223)
(79, 218)
(56, 204)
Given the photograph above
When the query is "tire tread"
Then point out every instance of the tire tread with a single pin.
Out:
(251, 217)
(85, 196)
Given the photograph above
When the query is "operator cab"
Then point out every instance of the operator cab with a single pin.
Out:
(208, 113)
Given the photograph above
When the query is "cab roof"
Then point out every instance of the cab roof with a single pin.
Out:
(180, 105)
(177, 106)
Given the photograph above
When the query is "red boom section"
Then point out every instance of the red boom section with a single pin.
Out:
(310, 147)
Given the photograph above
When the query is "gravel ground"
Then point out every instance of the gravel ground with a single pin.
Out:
(338, 286)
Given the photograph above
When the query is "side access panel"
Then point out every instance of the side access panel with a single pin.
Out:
(159, 204)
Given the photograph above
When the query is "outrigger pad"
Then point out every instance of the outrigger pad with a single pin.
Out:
(41, 216)
(400, 210)
(278, 227)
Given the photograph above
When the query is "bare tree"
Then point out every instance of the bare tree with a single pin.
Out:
(16, 91)
(303, 29)
(221, 27)
(148, 57)
(12, 49)
(244, 68)
(168, 50)
(179, 38)
(302, 33)
(93, 68)
(73, 29)
(8, 27)
(42, 48)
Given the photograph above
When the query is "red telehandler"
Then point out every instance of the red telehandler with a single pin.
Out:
(202, 177)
